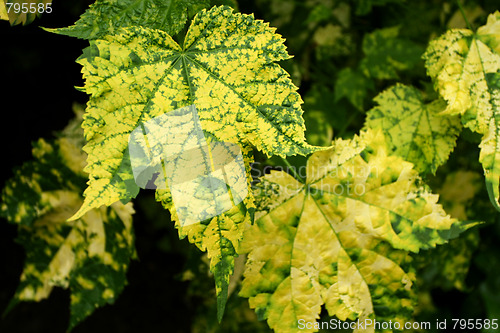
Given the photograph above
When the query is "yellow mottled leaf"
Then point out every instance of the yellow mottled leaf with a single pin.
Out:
(90, 255)
(138, 79)
(226, 68)
(342, 238)
(465, 67)
(414, 130)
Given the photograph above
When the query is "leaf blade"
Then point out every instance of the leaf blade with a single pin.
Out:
(340, 249)
(415, 130)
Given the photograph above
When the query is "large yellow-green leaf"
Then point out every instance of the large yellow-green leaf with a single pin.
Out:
(226, 68)
(458, 61)
(105, 17)
(90, 255)
(341, 239)
(414, 130)
(465, 66)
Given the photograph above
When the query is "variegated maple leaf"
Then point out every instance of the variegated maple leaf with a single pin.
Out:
(90, 255)
(226, 67)
(341, 239)
(414, 130)
(465, 67)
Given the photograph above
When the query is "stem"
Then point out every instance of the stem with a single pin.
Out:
(463, 14)
(292, 169)
(346, 124)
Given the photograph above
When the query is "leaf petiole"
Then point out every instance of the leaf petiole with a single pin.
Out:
(293, 171)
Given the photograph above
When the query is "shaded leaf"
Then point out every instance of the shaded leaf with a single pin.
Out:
(90, 256)
(465, 67)
(354, 86)
(414, 130)
(319, 130)
(364, 7)
(334, 239)
(106, 17)
(386, 54)
(447, 266)
(457, 192)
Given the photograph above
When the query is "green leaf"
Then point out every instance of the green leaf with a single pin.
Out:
(465, 67)
(386, 54)
(106, 17)
(354, 86)
(414, 130)
(90, 256)
(447, 266)
(333, 240)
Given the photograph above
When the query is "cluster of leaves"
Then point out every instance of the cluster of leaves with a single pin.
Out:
(89, 255)
(347, 236)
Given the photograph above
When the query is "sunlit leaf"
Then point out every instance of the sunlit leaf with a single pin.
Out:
(226, 68)
(335, 239)
(465, 67)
